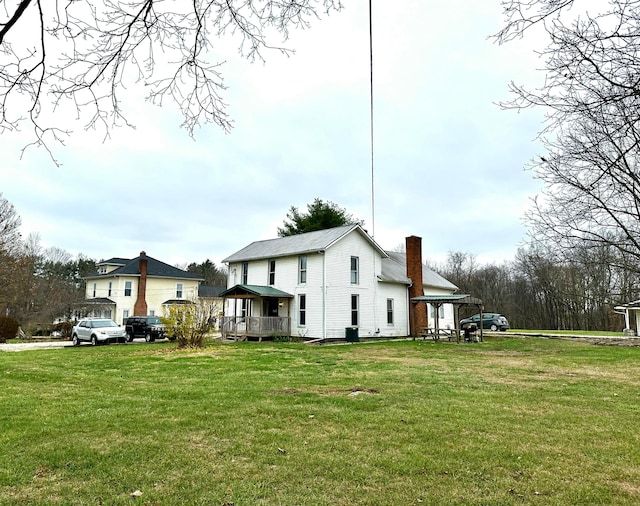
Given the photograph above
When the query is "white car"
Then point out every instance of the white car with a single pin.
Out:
(96, 331)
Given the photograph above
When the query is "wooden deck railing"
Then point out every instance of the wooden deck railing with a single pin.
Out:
(255, 326)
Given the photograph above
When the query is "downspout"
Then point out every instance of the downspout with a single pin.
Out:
(409, 311)
(324, 294)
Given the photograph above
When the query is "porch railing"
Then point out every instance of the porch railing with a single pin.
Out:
(255, 326)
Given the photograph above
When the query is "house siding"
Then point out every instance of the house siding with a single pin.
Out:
(328, 290)
(340, 289)
(158, 290)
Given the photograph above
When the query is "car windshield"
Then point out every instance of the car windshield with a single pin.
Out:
(153, 320)
(104, 323)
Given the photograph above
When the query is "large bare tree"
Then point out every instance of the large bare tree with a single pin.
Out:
(82, 54)
(591, 95)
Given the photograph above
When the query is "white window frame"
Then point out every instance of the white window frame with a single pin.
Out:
(302, 269)
(354, 267)
(432, 312)
(355, 310)
(272, 272)
(244, 273)
(302, 309)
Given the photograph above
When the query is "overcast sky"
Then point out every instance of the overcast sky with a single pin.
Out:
(448, 162)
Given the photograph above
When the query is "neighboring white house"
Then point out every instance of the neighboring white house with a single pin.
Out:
(140, 286)
(326, 284)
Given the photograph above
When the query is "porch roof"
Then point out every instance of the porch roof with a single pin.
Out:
(100, 300)
(458, 299)
(244, 291)
(173, 302)
(629, 305)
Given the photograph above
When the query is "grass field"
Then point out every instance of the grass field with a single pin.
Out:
(508, 421)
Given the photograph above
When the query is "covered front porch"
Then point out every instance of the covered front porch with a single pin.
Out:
(255, 312)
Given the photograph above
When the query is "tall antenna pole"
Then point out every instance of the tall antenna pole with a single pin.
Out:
(373, 206)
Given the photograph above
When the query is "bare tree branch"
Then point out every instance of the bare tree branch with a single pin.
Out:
(591, 97)
(88, 53)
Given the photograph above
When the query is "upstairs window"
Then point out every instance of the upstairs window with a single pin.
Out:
(272, 272)
(179, 290)
(355, 267)
(245, 273)
(127, 288)
(303, 269)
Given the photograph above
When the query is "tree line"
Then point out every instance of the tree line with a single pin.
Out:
(39, 285)
(540, 289)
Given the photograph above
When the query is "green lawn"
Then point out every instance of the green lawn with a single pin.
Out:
(508, 421)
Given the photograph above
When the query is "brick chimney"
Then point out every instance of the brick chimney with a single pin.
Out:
(140, 307)
(417, 312)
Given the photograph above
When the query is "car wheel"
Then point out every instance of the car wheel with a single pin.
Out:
(129, 337)
(148, 338)
(493, 327)
(75, 341)
(94, 341)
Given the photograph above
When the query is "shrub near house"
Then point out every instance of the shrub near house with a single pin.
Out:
(8, 328)
(189, 324)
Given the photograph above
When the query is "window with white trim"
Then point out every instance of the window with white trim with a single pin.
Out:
(355, 267)
(302, 264)
(302, 309)
(179, 290)
(389, 311)
(245, 273)
(355, 303)
(272, 272)
(127, 288)
(432, 312)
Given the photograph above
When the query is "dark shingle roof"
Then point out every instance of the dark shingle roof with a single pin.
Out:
(259, 290)
(155, 268)
(210, 291)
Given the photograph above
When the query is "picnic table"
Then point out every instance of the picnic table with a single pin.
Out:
(436, 334)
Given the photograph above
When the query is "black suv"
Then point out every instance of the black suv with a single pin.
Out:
(149, 327)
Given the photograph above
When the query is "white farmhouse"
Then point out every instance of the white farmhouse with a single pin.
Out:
(330, 284)
(138, 287)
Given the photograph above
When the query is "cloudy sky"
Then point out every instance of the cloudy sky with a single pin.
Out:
(448, 162)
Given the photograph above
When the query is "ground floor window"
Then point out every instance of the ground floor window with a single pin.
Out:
(354, 309)
(302, 309)
(389, 311)
(432, 312)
